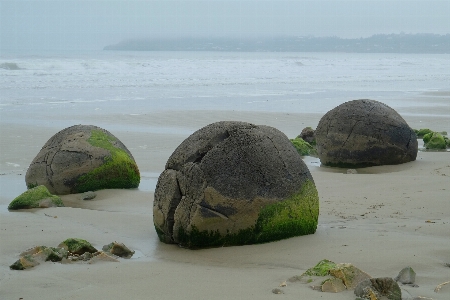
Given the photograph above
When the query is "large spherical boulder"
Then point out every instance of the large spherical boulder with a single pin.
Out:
(83, 158)
(364, 133)
(234, 183)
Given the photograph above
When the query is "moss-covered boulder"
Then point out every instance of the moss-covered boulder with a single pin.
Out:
(303, 148)
(422, 132)
(234, 183)
(362, 133)
(34, 198)
(83, 158)
(77, 246)
(434, 140)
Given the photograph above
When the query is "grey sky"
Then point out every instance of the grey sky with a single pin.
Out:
(62, 24)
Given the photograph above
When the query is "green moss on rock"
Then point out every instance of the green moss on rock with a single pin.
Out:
(303, 148)
(119, 171)
(423, 132)
(434, 141)
(321, 269)
(77, 246)
(294, 216)
(33, 197)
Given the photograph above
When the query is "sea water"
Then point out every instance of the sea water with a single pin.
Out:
(47, 84)
(51, 89)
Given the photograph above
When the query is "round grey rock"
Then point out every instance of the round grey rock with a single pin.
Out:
(362, 133)
(83, 158)
(220, 180)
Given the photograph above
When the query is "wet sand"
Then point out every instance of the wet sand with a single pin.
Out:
(381, 220)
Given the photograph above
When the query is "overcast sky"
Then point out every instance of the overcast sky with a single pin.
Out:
(40, 24)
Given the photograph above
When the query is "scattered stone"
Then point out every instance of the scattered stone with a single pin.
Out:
(118, 249)
(349, 274)
(83, 158)
(102, 256)
(77, 246)
(308, 135)
(88, 195)
(378, 288)
(364, 133)
(36, 197)
(51, 254)
(333, 285)
(234, 183)
(406, 276)
(277, 291)
(352, 171)
(24, 262)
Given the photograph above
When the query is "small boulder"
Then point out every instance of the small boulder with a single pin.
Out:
(406, 276)
(24, 262)
(308, 135)
(234, 183)
(378, 289)
(36, 197)
(364, 133)
(88, 195)
(77, 246)
(102, 256)
(118, 249)
(333, 285)
(350, 275)
(83, 158)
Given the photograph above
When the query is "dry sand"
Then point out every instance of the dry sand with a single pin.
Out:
(381, 220)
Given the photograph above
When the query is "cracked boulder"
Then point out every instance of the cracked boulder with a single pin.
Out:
(83, 158)
(363, 133)
(234, 183)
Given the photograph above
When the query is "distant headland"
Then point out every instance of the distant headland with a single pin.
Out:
(379, 43)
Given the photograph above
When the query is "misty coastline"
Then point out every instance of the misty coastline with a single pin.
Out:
(380, 43)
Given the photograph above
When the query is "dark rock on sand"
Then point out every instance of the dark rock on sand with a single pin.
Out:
(364, 133)
(308, 135)
(379, 288)
(34, 256)
(234, 183)
(118, 249)
(88, 195)
(37, 197)
(83, 158)
(77, 246)
(406, 276)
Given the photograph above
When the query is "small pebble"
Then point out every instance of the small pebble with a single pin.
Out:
(277, 291)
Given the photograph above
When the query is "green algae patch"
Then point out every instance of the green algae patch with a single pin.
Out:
(434, 140)
(321, 269)
(295, 216)
(303, 148)
(423, 132)
(119, 170)
(77, 246)
(34, 197)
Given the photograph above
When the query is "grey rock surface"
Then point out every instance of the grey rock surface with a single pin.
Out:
(364, 133)
(406, 276)
(69, 154)
(219, 178)
(378, 288)
(308, 135)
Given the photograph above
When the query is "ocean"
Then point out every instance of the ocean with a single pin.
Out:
(47, 85)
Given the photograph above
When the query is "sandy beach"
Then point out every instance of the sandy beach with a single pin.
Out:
(381, 220)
